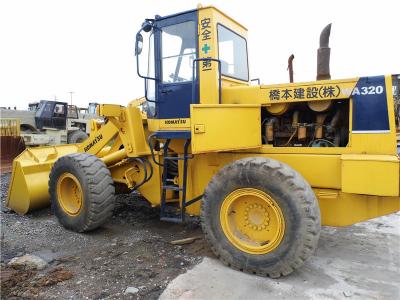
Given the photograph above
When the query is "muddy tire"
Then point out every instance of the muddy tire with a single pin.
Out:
(81, 191)
(76, 137)
(286, 196)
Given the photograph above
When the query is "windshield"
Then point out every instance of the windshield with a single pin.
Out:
(72, 112)
(232, 50)
(178, 52)
(92, 108)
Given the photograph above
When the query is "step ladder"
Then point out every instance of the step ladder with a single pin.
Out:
(169, 212)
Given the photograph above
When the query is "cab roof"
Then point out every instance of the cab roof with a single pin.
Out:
(200, 7)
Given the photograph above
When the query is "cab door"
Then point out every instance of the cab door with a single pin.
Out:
(176, 44)
(59, 117)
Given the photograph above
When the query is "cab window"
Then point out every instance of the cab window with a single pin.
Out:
(178, 52)
(232, 50)
(72, 112)
(47, 107)
(59, 110)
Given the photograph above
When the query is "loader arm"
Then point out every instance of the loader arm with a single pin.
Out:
(122, 135)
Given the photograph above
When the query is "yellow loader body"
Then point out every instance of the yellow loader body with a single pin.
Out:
(263, 165)
(338, 179)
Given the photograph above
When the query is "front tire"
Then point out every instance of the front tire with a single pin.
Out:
(261, 217)
(82, 192)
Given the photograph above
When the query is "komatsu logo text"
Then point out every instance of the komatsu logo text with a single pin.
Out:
(175, 121)
(94, 142)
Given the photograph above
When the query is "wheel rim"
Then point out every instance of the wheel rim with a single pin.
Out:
(69, 194)
(252, 221)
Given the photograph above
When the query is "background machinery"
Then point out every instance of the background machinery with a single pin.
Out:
(11, 143)
(263, 166)
(52, 122)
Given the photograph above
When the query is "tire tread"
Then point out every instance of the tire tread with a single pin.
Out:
(101, 190)
(309, 212)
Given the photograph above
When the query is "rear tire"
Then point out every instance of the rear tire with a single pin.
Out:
(77, 136)
(82, 192)
(280, 206)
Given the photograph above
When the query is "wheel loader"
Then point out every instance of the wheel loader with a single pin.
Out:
(264, 166)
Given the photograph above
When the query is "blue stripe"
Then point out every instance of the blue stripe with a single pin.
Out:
(370, 112)
(173, 134)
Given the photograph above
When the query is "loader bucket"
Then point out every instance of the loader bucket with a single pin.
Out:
(28, 188)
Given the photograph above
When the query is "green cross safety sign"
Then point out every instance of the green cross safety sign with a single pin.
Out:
(206, 48)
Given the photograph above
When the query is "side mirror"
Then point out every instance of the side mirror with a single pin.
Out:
(147, 26)
(138, 44)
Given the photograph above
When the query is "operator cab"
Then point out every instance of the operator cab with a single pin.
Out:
(51, 114)
(182, 50)
(172, 43)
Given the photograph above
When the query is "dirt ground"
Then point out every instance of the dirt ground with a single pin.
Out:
(132, 250)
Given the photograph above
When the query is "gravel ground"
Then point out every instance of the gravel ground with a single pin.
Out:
(132, 250)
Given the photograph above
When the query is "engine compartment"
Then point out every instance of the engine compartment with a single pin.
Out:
(307, 124)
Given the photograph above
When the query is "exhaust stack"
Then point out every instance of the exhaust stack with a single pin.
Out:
(290, 67)
(324, 53)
